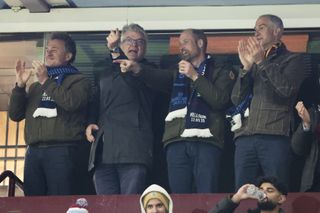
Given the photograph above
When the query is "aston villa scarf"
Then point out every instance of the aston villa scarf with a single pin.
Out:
(48, 107)
(190, 105)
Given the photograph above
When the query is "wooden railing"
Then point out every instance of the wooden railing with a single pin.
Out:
(13, 181)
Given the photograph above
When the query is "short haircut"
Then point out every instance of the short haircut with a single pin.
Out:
(199, 34)
(276, 20)
(69, 43)
(134, 28)
(281, 187)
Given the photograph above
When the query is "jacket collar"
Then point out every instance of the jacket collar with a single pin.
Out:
(275, 50)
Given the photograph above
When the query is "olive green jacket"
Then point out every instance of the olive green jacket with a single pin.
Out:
(215, 92)
(72, 99)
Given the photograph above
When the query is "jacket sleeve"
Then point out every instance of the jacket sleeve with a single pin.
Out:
(156, 78)
(18, 104)
(283, 78)
(217, 93)
(94, 102)
(242, 87)
(302, 140)
(128, 77)
(224, 206)
(69, 98)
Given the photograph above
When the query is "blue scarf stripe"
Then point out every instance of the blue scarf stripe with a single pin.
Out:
(59, 73)
(69, 69)
(241, 108)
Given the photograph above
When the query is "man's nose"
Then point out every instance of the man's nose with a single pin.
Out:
(48, 51)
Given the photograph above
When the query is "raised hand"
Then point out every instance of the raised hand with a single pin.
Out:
(22, 75)
(255, 50)
(241, 194)
(186, 68)
(113, 39)
(40, 71)
(244, 55)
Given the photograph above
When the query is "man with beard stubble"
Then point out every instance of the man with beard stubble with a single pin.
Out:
(274, 190)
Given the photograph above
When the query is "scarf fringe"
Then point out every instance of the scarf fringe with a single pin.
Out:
(201, 133)
(236, 121)
(180, 113)
(45, 112)
(246, 113)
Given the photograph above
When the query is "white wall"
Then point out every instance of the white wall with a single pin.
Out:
(156, 18)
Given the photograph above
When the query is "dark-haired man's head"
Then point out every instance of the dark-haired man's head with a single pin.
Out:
(60, 50)
(276, 193)
(193, 45)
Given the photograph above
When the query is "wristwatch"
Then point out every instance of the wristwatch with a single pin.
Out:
(115, 50)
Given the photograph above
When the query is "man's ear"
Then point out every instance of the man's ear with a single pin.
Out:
(282, 199)
(277, 31)
(68, 56)
(200, 43)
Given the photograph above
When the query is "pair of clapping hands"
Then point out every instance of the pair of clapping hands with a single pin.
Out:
(23, 74)
(250, 52)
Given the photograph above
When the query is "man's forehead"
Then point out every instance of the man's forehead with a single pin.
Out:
(267, 186)
(186, 35)
(56, 43)
(133, 34)
(262, 21)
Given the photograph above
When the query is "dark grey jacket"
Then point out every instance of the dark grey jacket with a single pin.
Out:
(275, 84)
(123, 111)
(305, 143)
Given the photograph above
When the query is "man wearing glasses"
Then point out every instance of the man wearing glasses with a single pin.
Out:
(200, 87)
(120, 126)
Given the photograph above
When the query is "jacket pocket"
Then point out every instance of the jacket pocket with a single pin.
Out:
(173, 129)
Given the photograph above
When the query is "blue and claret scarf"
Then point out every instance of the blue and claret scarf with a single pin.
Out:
(235, 114)
(48, 107)
(190, 106)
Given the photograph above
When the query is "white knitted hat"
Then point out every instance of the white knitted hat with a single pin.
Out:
(79, 206)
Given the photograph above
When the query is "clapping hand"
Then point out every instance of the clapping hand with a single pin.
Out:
(22, 74)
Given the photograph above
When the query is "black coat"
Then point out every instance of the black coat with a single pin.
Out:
(122, 108)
